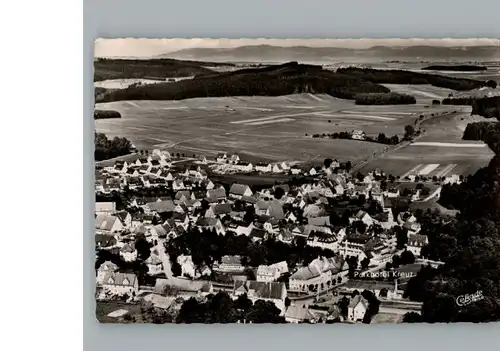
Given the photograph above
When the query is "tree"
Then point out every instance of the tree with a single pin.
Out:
(279, 193)
(401, 236)
(348, 165)
(176, 268)
(243, 303)
(327, 162)
(412, 317)
(365, 263)
(264, 312)
(143, 247)
(396, 261)
(409, 132)
(407, 257)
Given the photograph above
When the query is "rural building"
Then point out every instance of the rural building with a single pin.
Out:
(117, 283)
(105, 208)
(239, 190)
(415, 243)
(267, 291)
(357, 309)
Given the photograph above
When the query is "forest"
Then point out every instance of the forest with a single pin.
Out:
(456, 68)
(408, 77)
(467, 244)
(105, 69)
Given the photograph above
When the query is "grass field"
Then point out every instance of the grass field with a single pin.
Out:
(280, 129)
(441, 146)
(103, 308)
(262, 128)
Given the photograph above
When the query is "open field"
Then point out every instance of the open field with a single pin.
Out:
(262, 128)
(103, 308)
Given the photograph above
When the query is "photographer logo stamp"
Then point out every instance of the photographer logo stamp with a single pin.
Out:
(467, 299)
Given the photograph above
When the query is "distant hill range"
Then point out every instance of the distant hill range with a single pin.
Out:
(268, 53)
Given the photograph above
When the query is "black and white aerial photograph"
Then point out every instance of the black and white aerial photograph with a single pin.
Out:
(297, 181)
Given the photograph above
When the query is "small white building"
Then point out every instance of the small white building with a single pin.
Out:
(357, 309)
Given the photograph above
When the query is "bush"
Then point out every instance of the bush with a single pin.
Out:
(103, 114)
(384, 99)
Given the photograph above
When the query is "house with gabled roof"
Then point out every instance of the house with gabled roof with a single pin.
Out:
(243, 166)
(165, 174)
(104, 241)
(178, 184)
(159, 207)
(234, 158)
(237, 191)
(216, 195)
(117, 283)
(128, 252)
(105, 207)
(218, 210)
(357, 309)
(184, 288)
(415, 243)
(299, 314)
(107, 224)
(295, 170)
(221, 157)
(154, 263)
(105, 268)
(230, 264)
(320, 275)
(263, 167)
(277, 168)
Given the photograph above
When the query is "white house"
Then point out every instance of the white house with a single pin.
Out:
(105, 268)
(155, 265)
(277, 168)
(243, 166)
(230, 264)
(234, 159)
(120, 283)
(263, 167)
(298, 314)
(128, 253)
(313, 171)
(272, 272)
(222, 157)
(415, 243)
(187, 266)
(357, 309)
(358, 135)
(295, 170)
(105, 208)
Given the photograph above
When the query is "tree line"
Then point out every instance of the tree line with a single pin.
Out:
(277, 80)
(105, 68)
(467, 244)
(408, 77)
(103, 114)
(385, 99)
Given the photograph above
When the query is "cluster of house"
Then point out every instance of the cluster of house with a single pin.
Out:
(233, 163)
(297, 212)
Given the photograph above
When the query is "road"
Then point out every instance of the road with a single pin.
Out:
(164, 258)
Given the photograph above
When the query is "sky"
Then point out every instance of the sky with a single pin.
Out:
(140, 47)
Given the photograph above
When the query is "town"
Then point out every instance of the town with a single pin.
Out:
(317, 245)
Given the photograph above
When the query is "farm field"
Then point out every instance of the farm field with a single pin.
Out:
(262, 128)
(441, 151)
